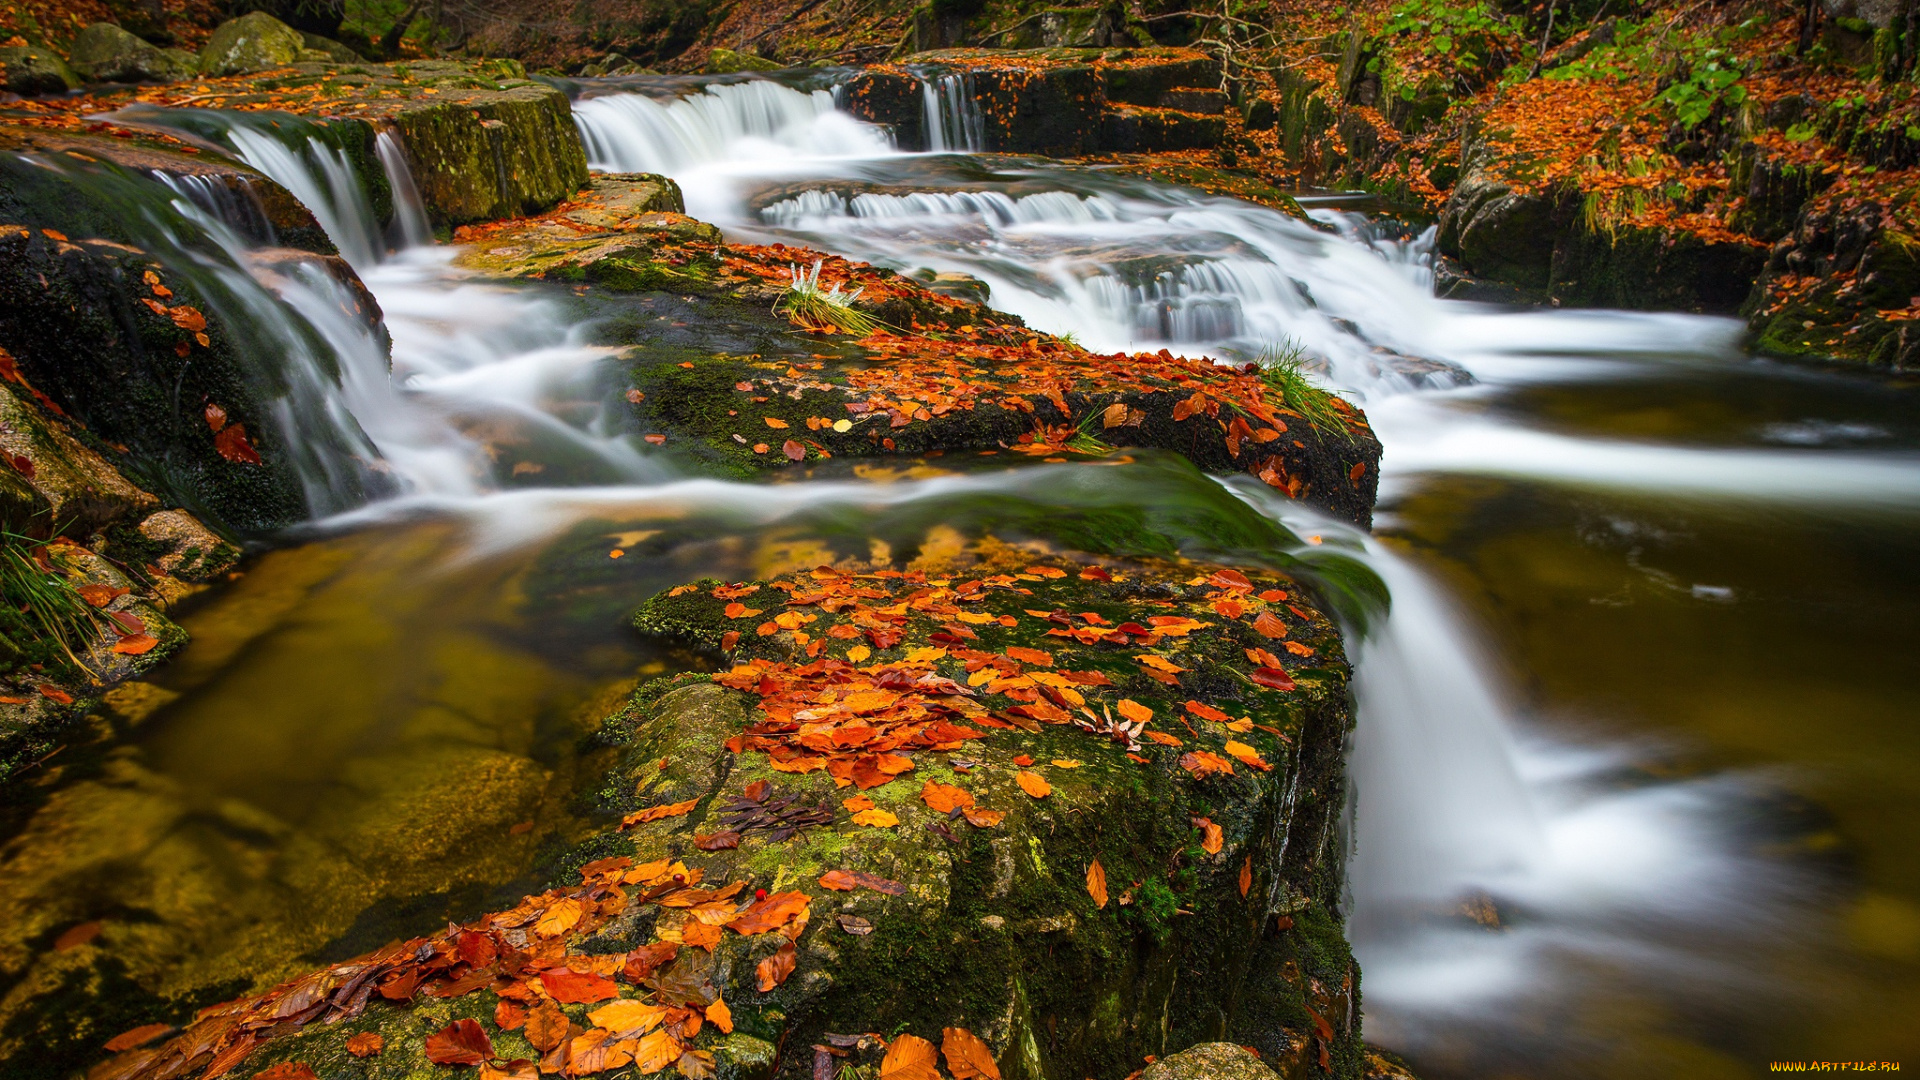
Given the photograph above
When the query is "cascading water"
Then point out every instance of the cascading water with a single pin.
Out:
(1459, 808)
(953, 118)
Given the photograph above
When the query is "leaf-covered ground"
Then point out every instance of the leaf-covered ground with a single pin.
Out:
(974, 815)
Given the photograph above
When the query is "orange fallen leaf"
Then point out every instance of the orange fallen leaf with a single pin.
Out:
(574, 987)
(983, 819)
(656, 813)
(1246, 876)
(1097, 884)
(1247, 755)
(770, 913)
(287, 1070)
(774, 970)
(232, 443)
(910, 1057)
(546, 1027)
(1206, 711)
(139, 1036)
(876, 818)
(1211, 838)
(774, 422)
(628, 1018)
(366, 1044)
(720, 1016)
(857, 803)
(1032, 784)
(943, 798)
(136, 644)
(1202, 763)
(1030, 656)
(1269, 626)
(967, 1056)
(700, 935)
(1134, 711)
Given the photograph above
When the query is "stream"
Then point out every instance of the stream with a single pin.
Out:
(1637, 777)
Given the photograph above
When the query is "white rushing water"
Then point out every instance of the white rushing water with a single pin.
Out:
(1458, 797)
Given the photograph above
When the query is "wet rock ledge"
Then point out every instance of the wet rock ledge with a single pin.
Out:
(1052, 814)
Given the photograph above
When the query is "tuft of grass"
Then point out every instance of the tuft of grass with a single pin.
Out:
(42, 607)
(810, 307)
(1283, 369)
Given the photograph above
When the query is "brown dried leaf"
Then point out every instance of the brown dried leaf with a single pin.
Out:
(1097, 884)
(463, 1042)
(367, 1044)
(910, 1057)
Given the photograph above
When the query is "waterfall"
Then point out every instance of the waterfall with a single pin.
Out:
(953, 118)
(410, 227)
(756, 120)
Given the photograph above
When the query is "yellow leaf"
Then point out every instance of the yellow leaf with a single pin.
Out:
(875, 818)
(627, 1018)
(656, 1052)
(858, 653)
(976, 618)
(1065, 763)
(925, 655)
(559, 918)
(1032, 784)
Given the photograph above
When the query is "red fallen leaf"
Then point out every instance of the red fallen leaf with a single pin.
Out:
(848, 880)
(126, 623)
(728, 640)
(1359, 470)
(643, 961)
(1270, 626)
(793, 450)
(216, 417)
(475, 949)
(546, 1027)
(1273, 678)
(54, 693)
(232, 444)
(1023, 761)
(720, 841)
(774, 970)
(76, 936)
(369, 1043)
(139, 1036)
(1207, 712)
(657, 440)
(1095, 573)
(967, 1056)
(289, 1070)
(758, 790)
(573, 987)
(462, 1042)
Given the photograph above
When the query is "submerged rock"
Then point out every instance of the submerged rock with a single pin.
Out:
(1210, 1061)
(104, 52)
(922, 803)
(32, 70)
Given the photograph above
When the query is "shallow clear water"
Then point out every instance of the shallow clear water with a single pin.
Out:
(1635, 768)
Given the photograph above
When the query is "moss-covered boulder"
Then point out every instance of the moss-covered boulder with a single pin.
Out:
(104, 52)
(481, 139)
(144, 364)
(247, 200)
(81, 490)
(253, 42)
(1001, 806)
(32, 70)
